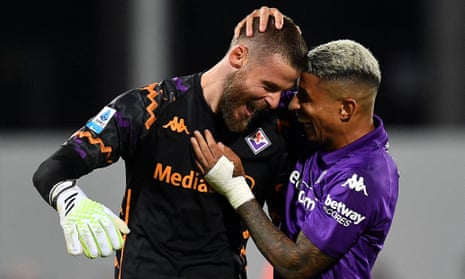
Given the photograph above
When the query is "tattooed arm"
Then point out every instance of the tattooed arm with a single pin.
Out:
(300, 259)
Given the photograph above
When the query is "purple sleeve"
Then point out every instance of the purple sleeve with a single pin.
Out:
(341, 214)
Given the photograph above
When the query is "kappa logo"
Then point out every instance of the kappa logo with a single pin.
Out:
(177, 125)
(356, 183)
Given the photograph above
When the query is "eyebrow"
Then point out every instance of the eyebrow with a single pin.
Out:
(271, 85)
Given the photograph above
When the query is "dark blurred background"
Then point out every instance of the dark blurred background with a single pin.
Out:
(60, 61)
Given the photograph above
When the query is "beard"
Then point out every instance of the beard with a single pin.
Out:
(234, 96)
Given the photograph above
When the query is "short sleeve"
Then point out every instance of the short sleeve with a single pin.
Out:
(341, 214)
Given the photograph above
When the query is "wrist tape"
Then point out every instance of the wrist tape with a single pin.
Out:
(235, 189)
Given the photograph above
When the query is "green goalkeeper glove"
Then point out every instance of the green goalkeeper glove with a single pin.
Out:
(235, 189)
(87, 225)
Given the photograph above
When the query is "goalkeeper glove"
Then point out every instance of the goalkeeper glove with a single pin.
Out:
(87, 225)
(235, 189)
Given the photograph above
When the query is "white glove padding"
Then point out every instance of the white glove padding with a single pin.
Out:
(88, 225)
(235, 189)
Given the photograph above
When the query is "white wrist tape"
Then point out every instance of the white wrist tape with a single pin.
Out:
(235, 189)
(220, 173)
(239, 192)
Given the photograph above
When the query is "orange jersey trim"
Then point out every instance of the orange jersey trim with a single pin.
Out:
(153, 104)
(97, 141)
(126, 220)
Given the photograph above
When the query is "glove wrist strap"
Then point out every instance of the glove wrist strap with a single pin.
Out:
(57, 189)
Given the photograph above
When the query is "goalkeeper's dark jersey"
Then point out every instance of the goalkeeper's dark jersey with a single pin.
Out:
(179, 227)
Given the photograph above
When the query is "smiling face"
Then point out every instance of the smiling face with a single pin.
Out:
(254, 88)
(318, 109)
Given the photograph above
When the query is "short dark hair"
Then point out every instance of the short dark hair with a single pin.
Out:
(288, 42)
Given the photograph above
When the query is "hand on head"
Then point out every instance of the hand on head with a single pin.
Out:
(264, 14)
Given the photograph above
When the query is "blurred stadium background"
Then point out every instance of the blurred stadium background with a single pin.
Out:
(60, 61)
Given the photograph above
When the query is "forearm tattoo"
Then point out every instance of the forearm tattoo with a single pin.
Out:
(291, 259)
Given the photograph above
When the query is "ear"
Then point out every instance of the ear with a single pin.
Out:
(237, 56)
(347, 109)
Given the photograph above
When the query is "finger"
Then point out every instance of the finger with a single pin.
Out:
(278, 17)
(204, 154)
(102, 237)
(72, 240)
(114, 226)
(213, 145)
(121, 225)
(87, 241)
(249, 24)
(229, 153)
(264, 17)
(237, 29)
(195, 142)
(200, 167)
(113, 235)
(238, 167)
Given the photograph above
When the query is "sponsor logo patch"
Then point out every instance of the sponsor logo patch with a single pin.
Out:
(99, 122)
(340, 212)
(191, 180)
(258, 141)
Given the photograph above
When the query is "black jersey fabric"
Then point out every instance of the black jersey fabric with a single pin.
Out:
(179, 227)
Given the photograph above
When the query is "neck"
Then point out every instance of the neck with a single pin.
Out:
(212, 83)
(351, 133)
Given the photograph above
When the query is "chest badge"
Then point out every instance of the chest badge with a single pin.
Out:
(258, 141)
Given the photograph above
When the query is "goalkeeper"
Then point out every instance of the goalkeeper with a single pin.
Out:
(174, 225)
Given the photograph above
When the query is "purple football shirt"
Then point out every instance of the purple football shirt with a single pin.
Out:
(344, 202)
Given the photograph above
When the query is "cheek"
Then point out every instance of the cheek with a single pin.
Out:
(310, 110)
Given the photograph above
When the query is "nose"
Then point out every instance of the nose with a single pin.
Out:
(273, 100)
(294, 105)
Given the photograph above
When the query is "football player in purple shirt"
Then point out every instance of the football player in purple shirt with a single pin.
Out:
(342, 193)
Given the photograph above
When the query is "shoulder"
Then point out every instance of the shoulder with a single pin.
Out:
(366, 184)
(161, 91)
(374, 171)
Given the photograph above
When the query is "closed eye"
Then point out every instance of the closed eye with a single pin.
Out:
(303, 96)
(271, 87)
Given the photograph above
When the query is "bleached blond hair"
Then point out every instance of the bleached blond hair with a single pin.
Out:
(344, 59)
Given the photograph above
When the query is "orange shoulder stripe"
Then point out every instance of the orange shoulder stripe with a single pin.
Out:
(98, 141)
(153, 104)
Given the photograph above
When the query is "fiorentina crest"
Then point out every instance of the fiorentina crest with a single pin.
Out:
(258, 141)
